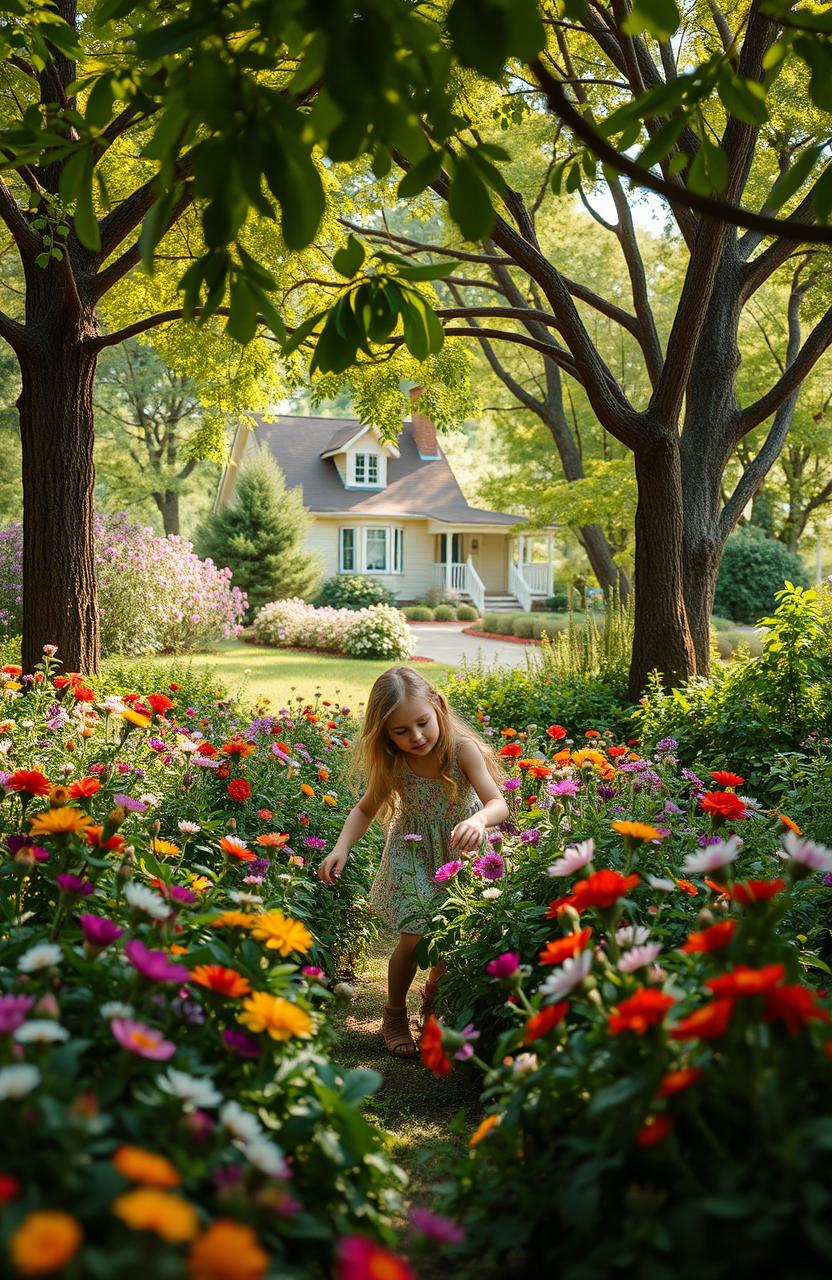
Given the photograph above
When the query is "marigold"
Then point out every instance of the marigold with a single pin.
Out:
(707, 1023)
(749, 892)
(540, 1024)
(560, 949)
(44, 1241)
(483, 1129)
(168, 1216)
(238, 789)
(220, 980)
(511, 750)
(282, 933)
(687, 886)
(638, 830)
(306, 789)
(65, 821)
(745, 981)
(655, 1129)
(509, 733)
(279, 1018)
(234, 920)
(562, 758)
(83, 788)
(640, 1011)
(227, 1251)
(430, 1047)
(147, 1167)
(164, 848)
(711, 939)
(30, 782)
(587, 755)
(675, 1081)
(724, 805)
(794, 1005)
(790, 824)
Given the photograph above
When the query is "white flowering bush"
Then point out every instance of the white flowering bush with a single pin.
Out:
(377, 632)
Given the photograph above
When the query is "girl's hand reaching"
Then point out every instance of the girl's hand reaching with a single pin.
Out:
(468, 834)
(330, 869)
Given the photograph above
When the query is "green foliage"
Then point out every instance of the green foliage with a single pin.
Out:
(499, 698)
(445, 613)
(752, 571)
(353, 591)
(418, 613)
(259, 535)
(466, 613)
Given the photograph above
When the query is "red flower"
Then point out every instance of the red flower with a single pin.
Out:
(723, 779)
(794, 1005)
(602, 889)
(642, 1010)
(562, 948)
(9, 1187)
(265, 815)
(592, 733)
(433, 1055)
(11, 670)
(676, 1081)
(747, 892)
(719, 935)
(707, 1023)
(159, 702)
(556, 731)
(173, 687)
(615, 752)
(688, 887)
(93, 836)
(744, 981)
(724, 805)
(83, 788)
(655, 1129)
(30, 782)
(83, 693)
(206, 749)
(540, 771)
(540, 1024)
(511, 749)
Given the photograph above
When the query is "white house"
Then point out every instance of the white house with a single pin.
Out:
(397, 512)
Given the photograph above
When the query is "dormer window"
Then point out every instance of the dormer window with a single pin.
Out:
(367, 470)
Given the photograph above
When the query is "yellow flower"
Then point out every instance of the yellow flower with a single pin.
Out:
(12, 686)
(146, 1209)
(306, 789)
(63, 821)
(227, 1251)
(331, 800)
(135, 717)
(44, 1241)
(234, 919)
(146, 1166)
(483, 1129)
(282, 933)
(200, 883)
(587, 755)
(638, 830)
(58, 796)
(279, 1017)
(164, 848)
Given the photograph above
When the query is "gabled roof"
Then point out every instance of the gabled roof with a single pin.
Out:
(415, 486)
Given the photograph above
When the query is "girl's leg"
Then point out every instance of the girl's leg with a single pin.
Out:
(430, 990)
(401, 970)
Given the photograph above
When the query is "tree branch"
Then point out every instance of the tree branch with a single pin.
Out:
(13, 332)
(131, 257)
(807, 357)
(443, 250)
(24, 237)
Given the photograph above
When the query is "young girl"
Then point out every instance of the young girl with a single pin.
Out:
(428, 776)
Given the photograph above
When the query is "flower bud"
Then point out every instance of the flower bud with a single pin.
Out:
(155, 827)
(705, 918)
(47, 1007)
(24, 860)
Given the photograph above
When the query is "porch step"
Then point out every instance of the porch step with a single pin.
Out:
(506, 604)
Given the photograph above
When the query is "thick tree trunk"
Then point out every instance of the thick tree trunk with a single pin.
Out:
(56, 428)
(168, 506)
(662, 640)
(612, 579)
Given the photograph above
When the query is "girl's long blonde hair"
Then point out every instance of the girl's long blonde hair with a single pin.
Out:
(381, 764)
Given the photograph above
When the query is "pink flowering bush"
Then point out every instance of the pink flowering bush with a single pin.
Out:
(155, 594)
(379, 631)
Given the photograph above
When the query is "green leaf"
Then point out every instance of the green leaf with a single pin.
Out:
(793, 179)
(420, 175)
(242, 322)
(100, 102)
(658, 17)
(823, 194)
(86, 223)
(740, 99)
(349, 259)
(302, 332)
(360, 1083)
(708, 175)
(174, 37)
(817, 55)
(661, 142)
(153, 227)
(469, 203)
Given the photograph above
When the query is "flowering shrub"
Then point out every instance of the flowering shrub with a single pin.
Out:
(162, 1012)
(353, 591)
(378, 631)
(155, 595)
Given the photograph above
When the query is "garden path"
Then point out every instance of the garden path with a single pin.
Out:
(446, 642)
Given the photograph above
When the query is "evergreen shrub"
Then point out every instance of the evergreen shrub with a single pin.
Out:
(445, 613)
(466, 613)
(353, 591)
(418, 613)
(752, 571)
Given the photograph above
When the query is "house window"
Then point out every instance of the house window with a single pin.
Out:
(398, 550)
(366, 469)
(346, 551)
(375, 551)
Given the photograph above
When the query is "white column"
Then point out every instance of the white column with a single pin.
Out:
(550, 562)
(521, 551)
(449, 543)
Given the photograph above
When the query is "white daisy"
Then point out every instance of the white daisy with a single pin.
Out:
(491, 894)
(632, 935)
(140, 898)
(567, 976)
(638, 957)
(17, 1081)
(41, 1031)
(575, 856)
(150, 799)
(267, 1157)
(245, 899)
(192, 1091)
(524, 1064)
(116, 1009)
(43, 955)
(805, 852)
(188, 828)
(662, 884)
(713, 856)
(240, 1123)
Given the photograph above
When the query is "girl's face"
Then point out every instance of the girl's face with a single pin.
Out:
(413, 726)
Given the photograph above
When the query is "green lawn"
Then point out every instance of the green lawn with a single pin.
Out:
(279, 673)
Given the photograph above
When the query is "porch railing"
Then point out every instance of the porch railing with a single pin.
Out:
(451, 576)
(476, 586)
(538, 578)
(519, 587)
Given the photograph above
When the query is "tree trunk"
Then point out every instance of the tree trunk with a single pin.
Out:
(168, 506)
(56, 429)
(662, 640)
(612, 579)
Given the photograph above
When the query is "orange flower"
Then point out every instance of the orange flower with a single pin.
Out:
(676, 1081)
(601, 889)
(234, 920)
(29, 782)
(483, 1129)
(511, 750)
(638, 830)
(509, 733)
(615, 752)
(44, 1241)
(433, 1055)
(655, 1129)
(556, 731)
(718, 935)
(331, 800)
(540, 771)
(227, 1251)
(148, 1167)
(222, 981)
(306, 789)
(707, 1023)
(794, 1005)
(561, 948)
(640, 1011)
(748, 892)
(687, 886)
(540, 1024)
(724, 779)
(789, 824)
(323, 774)
(744, 981)
(272, 840)
(83, 788)
(724, 805)
(236, 849)
(146, 1209)
(562, 758)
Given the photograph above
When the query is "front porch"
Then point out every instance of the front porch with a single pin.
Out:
(495, 570)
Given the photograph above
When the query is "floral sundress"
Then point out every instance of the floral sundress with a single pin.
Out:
(404, 879)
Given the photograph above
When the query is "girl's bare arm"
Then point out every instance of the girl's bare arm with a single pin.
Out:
(357, 823)
(469, 833)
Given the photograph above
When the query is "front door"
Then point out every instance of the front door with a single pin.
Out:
(456, 547)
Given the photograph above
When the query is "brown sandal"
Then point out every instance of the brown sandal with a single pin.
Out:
(429, 993)
(395, 1029)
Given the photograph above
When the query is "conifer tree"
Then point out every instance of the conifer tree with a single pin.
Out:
(259, 535)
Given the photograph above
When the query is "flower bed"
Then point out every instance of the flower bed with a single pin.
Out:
(379, 631)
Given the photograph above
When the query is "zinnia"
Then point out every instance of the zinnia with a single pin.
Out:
(725, 779)
(793, 1005)
(642, 1010)
(222, 981)
(44, 1241)
(168, 1216)
(711, 939)
(749, 892)
(30, 782)
(282, 933)
(147, 1167)
(239, 790)
(655, 1129)
(602, 889)
(237, 849)
(279, 1018)
(638, 831)
(675, 1081)
(433, 1054)
(540, 1024)
(706, 1023)
(227, 1251)
(724, 806)
(560, 949)
(447, 871)
(154, 965)
(361, 1259)
(64, 821)
(745, 981)
(142, 1040)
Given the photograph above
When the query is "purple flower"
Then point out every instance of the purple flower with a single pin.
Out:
(178, 893)
(705, 841)
(667, 744)
(238, 1042)
(259, 866)
(511, 784)
(157, 744)
(412, 837)
(74, 885)
(154, 965)
(691, 777)
(435, 1227)
(252, 879)
(495, 837)
(827, 879)
(13, 1010)
(508, 828)
(504, 966)
(489, 866)
(670, 806)
(314, 842)
(99, 931)
(15, 843)
(466, 1049)
(123, 767)
(564, 787)
(447, 871)
(531, 836)
(130, 803)
(604, 792)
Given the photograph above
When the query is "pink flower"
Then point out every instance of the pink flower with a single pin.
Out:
(74, 886)
(99, 931)
(360, 1258)
(144, 1041)
(13, 1010)
(490, 866)
(447, 871)
(575, 856)
(504, 966)
(154, 965)
(638, 957)
(435, 1227)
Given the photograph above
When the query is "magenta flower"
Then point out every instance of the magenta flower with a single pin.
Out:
(178, 893)
(530, 836)
(511, 784)
(504, 966)
(238, 1042)
(465, 1051)
(447, 871)
(144, 1041)
(154, 965)
(564, 787)
(312, 971)
(74, 885)
(13, 1010)
(99, 931)
(412, 837)
(434, 1226)
(489, 866)
(314, 842)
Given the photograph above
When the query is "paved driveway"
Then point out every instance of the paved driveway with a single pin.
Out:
(444, 642)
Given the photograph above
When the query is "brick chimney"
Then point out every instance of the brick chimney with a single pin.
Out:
(424, 432)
